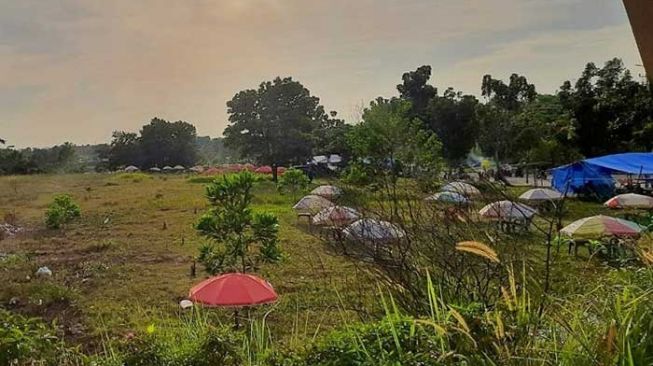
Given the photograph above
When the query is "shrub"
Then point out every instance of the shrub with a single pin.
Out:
(61, 211)
(29, 341)
(234, 230)
(355, 175)
(293, 181)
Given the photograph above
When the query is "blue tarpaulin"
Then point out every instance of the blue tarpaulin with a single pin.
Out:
(596, 173)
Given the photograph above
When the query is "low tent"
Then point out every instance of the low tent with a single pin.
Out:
(595, 174)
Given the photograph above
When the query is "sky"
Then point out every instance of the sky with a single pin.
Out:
(76, 70)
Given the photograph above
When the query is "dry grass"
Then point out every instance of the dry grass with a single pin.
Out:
(127, 260)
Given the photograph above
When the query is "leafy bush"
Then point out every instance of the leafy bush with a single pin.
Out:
(293, 181)
(29, 341)
(205, 346)
(234, 230)
(355, 175)
(61, 211)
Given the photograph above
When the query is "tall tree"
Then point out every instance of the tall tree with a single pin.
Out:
(499, 131)
(613, 112)
(168, 143)
(453, 118)
(414, 88)
(123, 150)
(273, 124)
(511, 96)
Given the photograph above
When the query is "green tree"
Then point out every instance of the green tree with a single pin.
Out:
(273, 125)
(612, 111)
(168, 143)
(414, 88)
(498, 128)
(453, 118)
(240, 239)
(389, 145)
(124, 150)
(293, 181)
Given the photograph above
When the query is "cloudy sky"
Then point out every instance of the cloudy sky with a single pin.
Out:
(75, 70)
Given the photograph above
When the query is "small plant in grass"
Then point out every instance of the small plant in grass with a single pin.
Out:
(293, 181)
(240, 239)
(61, 211)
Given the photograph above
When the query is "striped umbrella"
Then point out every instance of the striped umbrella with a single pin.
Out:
(373, 230)
(540, 194)
(630, 200)
(596, 227)
(507, 210)
(448, 197)
(329, 192)
(336, 216)
(463, 188)
(312, 204)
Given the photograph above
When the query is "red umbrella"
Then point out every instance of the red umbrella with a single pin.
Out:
(233, 290)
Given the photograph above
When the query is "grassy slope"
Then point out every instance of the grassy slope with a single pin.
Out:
(118, 268)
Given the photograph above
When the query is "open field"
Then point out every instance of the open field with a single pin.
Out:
(125, 265)
(127, 261)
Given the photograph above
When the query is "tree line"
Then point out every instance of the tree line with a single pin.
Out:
(280, 123)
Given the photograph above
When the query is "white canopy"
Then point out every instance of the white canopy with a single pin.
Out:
(336, 216)
(327, 191)
(371, 229)
(131, 168)
(312, 204)
(463, 188)
(540, 194)
(507, 210)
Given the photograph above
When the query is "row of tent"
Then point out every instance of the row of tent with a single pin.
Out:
(228, 168)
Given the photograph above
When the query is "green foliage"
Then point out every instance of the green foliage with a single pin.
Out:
(205, 346)
(273, 125)
(612, 111)
(240, 238)
(355, 175)
(61, 211)
(29, 341)
(389, 145)
(293, 181)
(160, 143)
(57, 159)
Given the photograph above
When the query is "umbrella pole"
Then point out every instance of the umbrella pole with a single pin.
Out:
(236, 322)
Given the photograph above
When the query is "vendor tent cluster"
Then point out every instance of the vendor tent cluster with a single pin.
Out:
(596, 173)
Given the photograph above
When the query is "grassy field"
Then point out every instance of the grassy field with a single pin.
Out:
(126, 263)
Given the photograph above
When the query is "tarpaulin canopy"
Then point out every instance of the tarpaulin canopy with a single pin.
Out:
(596, 173)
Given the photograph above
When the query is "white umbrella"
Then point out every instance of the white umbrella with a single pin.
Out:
(327, 191)
(131, 169)
(197, 169)
(463, 188)
(336, 216)
(507, 210)
(540, 194)
(448, 197)
(167, 168)
(630, 200)
(155, 169)
(179, 167)
(312, 204)
(374, 230)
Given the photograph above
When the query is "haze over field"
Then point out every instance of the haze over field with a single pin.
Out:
(77, 70)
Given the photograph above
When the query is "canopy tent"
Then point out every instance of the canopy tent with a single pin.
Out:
(595, 174)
